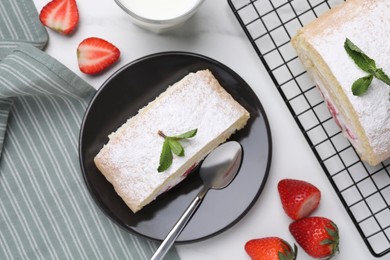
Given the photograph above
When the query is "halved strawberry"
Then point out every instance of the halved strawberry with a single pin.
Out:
(299, 198)
(318, 236)
(270, 248)
(95, 54)
(60, 15)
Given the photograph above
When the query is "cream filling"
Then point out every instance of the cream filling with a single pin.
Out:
(347, 129)
(174, 181)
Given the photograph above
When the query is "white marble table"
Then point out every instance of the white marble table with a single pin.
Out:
(214, 32)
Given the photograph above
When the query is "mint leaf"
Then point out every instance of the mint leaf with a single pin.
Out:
(188, 134)
(165, 157)
(381, 75)
(176, 147)
(172, 145)
(360, 86)
(359, 57)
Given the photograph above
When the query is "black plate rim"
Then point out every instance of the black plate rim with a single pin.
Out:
(100, 203)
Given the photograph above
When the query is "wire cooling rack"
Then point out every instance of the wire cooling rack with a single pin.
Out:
(364, 190)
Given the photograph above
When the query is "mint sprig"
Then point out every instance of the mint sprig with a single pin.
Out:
(172, 146)
(361, 85)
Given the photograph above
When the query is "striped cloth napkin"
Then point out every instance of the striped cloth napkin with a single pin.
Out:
(19, 24)
(46, 211)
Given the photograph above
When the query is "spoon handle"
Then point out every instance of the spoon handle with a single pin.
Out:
(176, 230)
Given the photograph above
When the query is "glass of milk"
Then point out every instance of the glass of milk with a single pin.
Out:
(159, 15)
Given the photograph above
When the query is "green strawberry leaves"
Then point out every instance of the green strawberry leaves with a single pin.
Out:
(172, 146)
(361, 85)
(289, 253)
(333, 239)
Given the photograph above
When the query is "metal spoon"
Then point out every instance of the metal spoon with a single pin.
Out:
(217, 171)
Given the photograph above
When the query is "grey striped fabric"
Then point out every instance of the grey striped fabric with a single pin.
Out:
(46, 211)
(19, 24)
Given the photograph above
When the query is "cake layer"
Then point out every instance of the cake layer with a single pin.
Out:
(131, 157)
(365, 120)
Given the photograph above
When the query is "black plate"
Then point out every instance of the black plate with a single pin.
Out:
(130, 89)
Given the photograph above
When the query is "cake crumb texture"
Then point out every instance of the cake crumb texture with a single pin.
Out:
(320, 45)
(131, 157)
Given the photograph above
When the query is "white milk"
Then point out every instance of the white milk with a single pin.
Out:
(159, 9)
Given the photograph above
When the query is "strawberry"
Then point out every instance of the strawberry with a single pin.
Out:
(60, 15)
(299, 198)
(270, 248)
(318, 236)
(95, 54)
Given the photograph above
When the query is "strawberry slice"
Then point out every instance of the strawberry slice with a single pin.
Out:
(299, 198)
(270, 248)
(95, 54)
(60, 15)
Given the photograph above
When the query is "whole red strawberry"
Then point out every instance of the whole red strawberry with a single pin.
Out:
(318, 236)
(299, 198)
(60, 15)
(270, 248)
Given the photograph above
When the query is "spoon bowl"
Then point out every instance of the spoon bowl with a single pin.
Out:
(217, 172)
(220, 166)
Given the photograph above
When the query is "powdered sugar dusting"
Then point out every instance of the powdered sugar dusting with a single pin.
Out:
(368, 26)
(134, 151)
